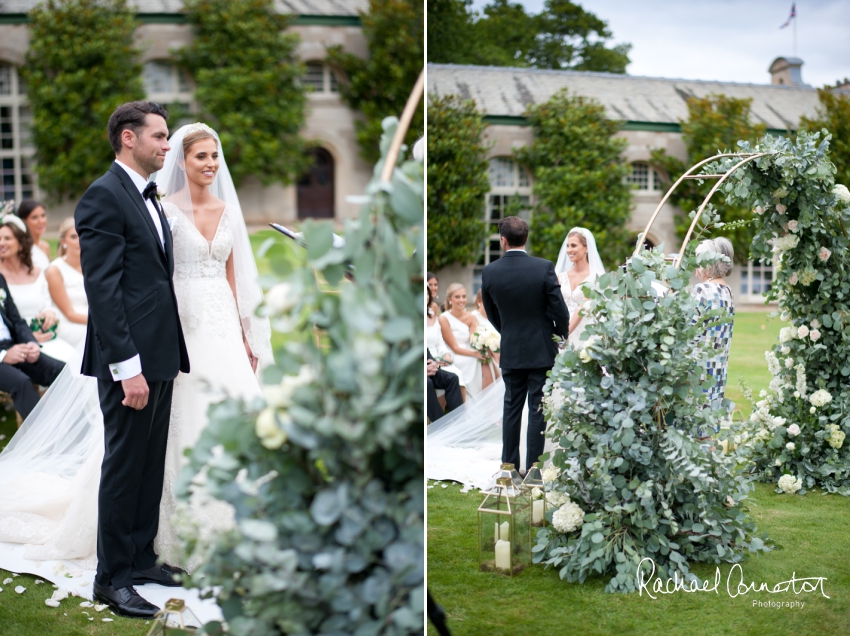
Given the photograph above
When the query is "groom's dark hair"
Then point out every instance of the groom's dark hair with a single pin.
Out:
(514, 230)
(130, 116)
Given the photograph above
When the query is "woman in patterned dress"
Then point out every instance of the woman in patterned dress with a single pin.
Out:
(713, 293)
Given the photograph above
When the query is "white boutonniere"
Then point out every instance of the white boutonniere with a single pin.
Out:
(160, 194)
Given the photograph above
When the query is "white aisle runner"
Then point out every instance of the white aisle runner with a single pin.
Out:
(79, 583)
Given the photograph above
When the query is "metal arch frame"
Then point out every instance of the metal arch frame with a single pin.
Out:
(746, 157)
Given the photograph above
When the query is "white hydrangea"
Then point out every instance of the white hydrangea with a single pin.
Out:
(556, 498)
(789, 485)
(801, 381)
(842, 193)
(836, 436)
(785, 243)
(808, 276)
(568, 517)
(821, 397)
(786, 334)
(802, 331)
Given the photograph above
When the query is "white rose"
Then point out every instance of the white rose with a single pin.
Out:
(802, 331)
(842, 193)
(789, 362)
(279, 299)
(824, 254)
(270, 434)
(786, 334)
(814, 334)
(812, 410)
(815, 324)
(778, 462)
(790, 446)
(759, 210)
(778, 421)
(792, 225)
(793, 279)
(785, 350)
(794, 430)
(781, 208)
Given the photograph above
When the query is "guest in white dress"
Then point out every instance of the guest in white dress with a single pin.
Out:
(457, 325)
(65, 282)
(28, 286)
(437, 345)
(578, 266)
(34, 216)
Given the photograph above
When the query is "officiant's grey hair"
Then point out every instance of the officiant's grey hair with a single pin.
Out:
(720, 245)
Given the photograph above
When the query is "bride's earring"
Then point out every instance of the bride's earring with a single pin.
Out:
(64, 247)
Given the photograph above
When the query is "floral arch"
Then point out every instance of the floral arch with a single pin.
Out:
(626, 410)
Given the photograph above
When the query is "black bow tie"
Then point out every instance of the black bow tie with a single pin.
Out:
(150, 191)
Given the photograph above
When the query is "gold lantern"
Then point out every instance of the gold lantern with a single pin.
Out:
(504, 529)
(171, 620)
(506, 471)
(535, 488)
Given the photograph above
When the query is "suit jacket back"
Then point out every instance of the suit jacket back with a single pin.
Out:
(128, 281)
(524, 302)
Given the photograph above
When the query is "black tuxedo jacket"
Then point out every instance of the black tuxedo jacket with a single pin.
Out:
(17, 326)
(128, 281)
(524, 302)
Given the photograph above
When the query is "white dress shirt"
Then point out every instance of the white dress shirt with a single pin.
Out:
(133, 367)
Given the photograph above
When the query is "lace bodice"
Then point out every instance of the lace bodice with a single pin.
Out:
(574, 298)
(194, 256)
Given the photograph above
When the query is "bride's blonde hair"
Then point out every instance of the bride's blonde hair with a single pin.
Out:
(194, 137)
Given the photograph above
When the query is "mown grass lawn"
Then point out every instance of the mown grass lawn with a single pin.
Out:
(810, 532)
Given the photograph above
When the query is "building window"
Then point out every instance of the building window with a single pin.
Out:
(642, 177)
(321, 78)
(16, 150)
(510, 194)
(756, 278)
(168, 85)
(316, 187)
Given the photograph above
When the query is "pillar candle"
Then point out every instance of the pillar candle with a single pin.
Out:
(537, 511)
(505, 534)
(503, 555)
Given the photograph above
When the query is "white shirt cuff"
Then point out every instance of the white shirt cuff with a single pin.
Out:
(3, 354)
(127, 369)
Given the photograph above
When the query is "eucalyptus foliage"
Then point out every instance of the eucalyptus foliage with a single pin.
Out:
(625, 412)
(327, 482)
(458, 181)
(248, 84)
(803, 229)
(81, 64)
(579, 176)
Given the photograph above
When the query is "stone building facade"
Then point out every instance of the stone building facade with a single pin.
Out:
(651, 109)
(337, 173)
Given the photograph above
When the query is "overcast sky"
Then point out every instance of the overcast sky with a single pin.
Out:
(729, 40)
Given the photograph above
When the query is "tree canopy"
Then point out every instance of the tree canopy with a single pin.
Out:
(562, 36)
(834, 115)
(715, 124)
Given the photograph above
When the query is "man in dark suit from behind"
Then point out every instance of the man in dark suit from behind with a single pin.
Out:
(21, 360)
(523, 300)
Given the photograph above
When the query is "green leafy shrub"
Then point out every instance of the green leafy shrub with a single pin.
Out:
(834, 115)
(248, 84)
(327, 482)
(378, 86)
(578, 177)
(803, 220)
(625, 412)
(458, 181)
(80, 66)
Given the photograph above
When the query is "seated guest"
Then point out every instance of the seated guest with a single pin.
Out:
(28, 286)
(34, 216)
(65, 281)
(448, 382)
(21, 359)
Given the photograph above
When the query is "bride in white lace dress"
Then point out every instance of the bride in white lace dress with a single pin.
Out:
(578, 266)
(50, 471)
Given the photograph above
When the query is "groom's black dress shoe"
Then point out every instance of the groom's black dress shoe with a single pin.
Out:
(124, 601)
(159, 574)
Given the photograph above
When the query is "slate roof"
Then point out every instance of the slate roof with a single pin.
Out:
(298, 7)
(500, 91)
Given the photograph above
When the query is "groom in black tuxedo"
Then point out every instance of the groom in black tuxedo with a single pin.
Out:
(134, 347)
(523, 300)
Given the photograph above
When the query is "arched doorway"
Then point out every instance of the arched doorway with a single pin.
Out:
(316, 187)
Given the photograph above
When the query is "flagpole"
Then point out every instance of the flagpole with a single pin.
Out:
(795, 33)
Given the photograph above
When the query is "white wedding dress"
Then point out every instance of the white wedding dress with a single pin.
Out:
(574, 298)
(55, 515)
